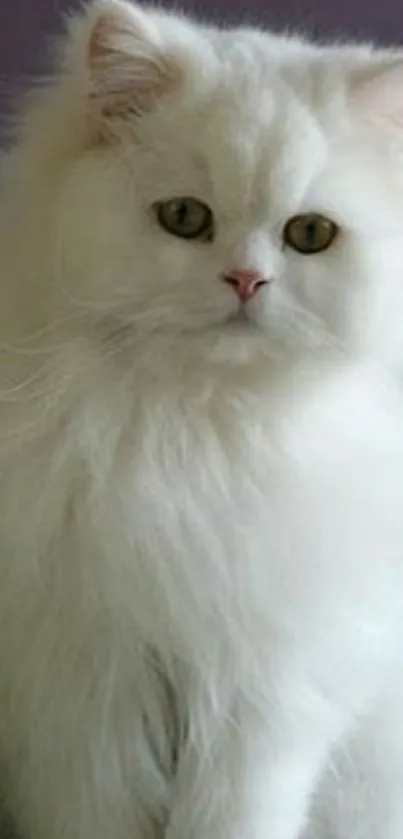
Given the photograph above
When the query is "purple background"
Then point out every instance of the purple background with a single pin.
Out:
(24, 23)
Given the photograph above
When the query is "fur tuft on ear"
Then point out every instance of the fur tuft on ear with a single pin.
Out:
(129, 70)
(376, 94)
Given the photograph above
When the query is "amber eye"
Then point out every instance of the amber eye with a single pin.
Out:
(309, 233)
(187, 218)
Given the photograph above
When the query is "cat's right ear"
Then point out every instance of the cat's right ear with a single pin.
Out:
(376, 95)
(128, 68)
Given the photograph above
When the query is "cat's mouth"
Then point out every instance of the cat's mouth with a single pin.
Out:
(242, 317)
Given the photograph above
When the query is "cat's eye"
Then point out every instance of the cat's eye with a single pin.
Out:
(310, 233)
(185, 217)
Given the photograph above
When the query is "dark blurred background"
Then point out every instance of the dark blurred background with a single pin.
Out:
(25, 23)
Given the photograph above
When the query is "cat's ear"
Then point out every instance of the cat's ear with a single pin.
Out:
(128, 68)
(376, 94)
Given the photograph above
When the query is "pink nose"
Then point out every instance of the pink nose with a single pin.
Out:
(245, 282)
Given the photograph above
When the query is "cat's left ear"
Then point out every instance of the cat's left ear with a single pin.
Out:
(376, 94)
(129, 69)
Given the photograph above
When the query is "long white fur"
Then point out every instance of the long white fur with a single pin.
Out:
(201, 571)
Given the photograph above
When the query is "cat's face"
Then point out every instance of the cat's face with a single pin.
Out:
(240, 202)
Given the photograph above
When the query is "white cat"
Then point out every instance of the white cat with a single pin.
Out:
(201, 438)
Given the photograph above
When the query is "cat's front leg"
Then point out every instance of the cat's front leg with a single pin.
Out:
(80, 760)
(255, 781)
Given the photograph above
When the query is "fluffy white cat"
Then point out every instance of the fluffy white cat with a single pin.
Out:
(201, 438)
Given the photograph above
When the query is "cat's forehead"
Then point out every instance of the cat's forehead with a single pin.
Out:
(261, 145)
(250, 146)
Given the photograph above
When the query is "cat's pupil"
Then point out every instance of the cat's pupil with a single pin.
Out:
(181, 213)
(310, 233)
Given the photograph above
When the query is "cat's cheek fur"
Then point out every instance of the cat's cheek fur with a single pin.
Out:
(200, 523)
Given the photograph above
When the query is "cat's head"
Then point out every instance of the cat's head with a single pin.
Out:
(228, 183)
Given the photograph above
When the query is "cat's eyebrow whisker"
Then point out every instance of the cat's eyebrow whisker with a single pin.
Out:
(91, 306)
(48, 379)
(53, 326)
(13, 393)
(27, 352)
(77, 303)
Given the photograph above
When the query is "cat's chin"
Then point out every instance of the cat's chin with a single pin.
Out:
(240, 316)
(238, 338)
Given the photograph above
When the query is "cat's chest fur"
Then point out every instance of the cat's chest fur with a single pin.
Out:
(230, 502)
(213, 505)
